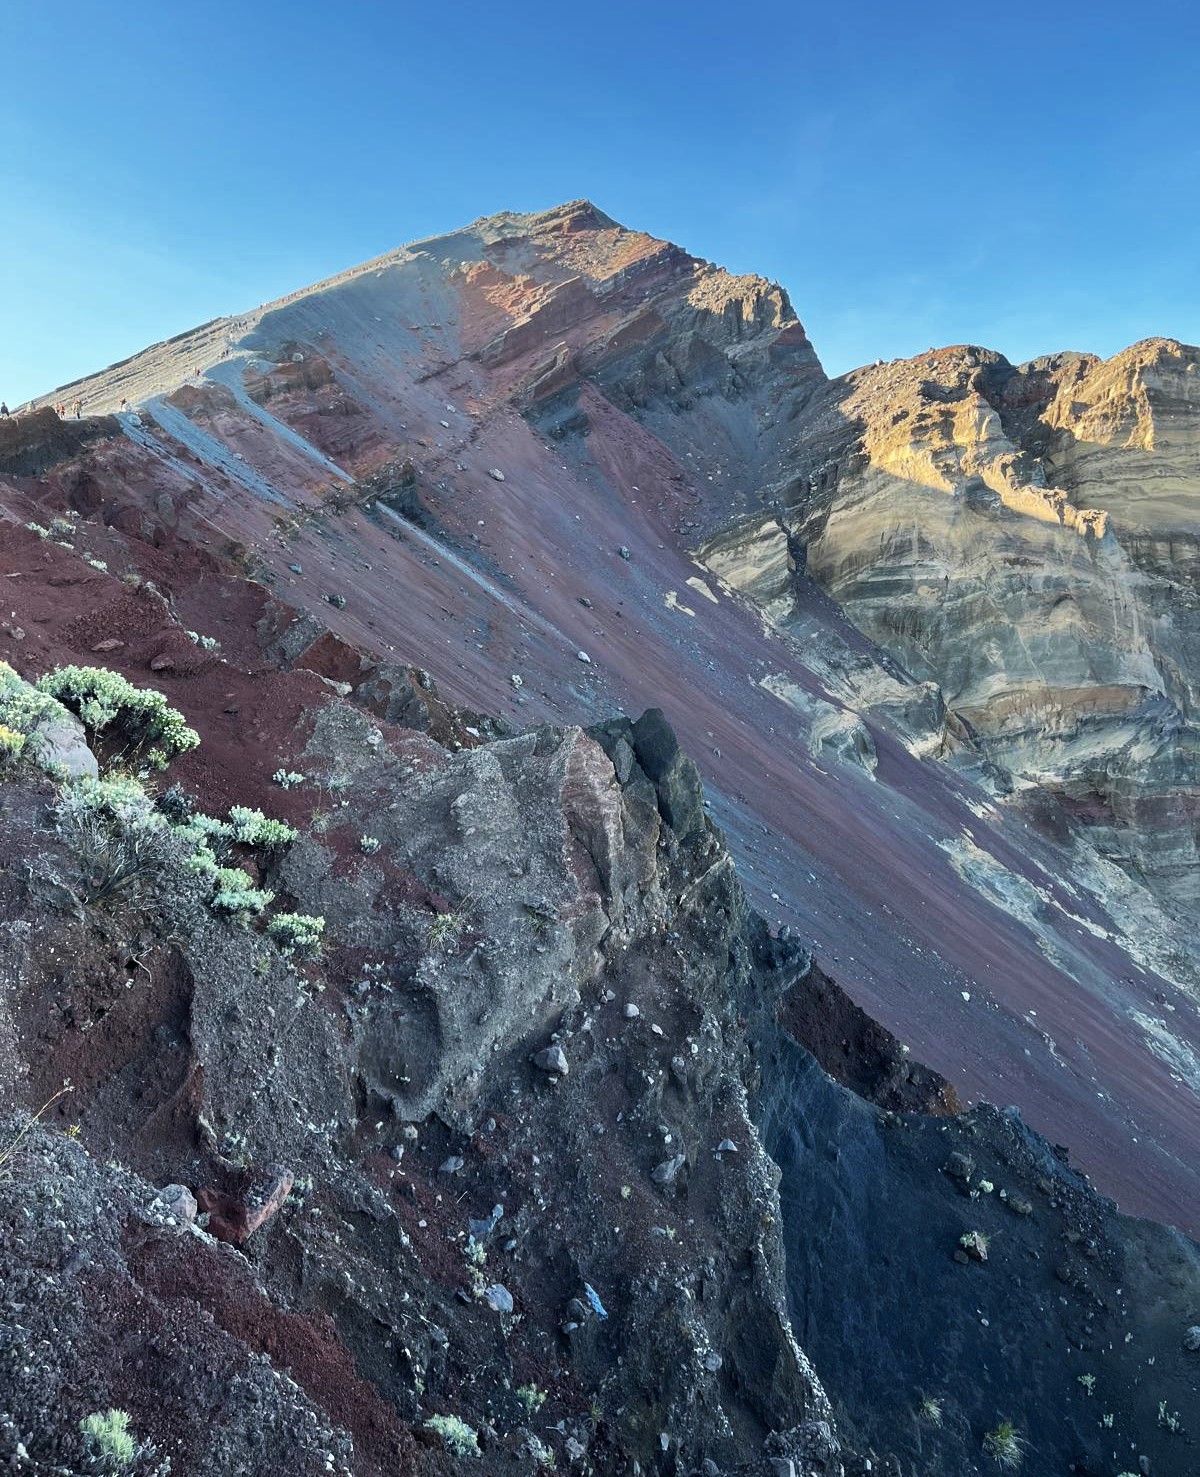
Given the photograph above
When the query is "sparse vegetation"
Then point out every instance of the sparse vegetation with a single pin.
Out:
(1169, 1419)
(237, 894)
(297, 933)
(252, 828)
(541, 920)
(1005, 1446)
(106, 702)
(531, 1398)
(446, 928)
(8, 1153)
(368, 845)
(109, 1435)
(286, 779)
(541, 1452)
(457, 1437)
(930, 1410)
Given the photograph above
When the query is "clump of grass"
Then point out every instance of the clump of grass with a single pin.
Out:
(930, 1410)
(446, 928)
(1005, 1446)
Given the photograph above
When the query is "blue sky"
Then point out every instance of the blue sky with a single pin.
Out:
(1021, 175)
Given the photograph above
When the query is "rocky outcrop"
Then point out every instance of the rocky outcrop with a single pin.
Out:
(524, 891)
(497, 1162)
(1019, 538)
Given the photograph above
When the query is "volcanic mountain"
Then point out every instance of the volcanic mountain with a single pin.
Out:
(915, 778)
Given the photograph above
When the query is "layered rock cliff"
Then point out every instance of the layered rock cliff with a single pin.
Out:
(1021, 537)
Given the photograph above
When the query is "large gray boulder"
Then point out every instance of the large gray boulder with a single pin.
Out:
(59, 741)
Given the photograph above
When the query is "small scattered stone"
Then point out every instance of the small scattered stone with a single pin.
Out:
(484, 1227)
(624, 552)
(296, 568)
(551, 1059)
(162, 663)
(583, 657)
(179, 1202)
(727, 1146)
(110, 643)
(337, 601)
(451, 1165)
(517, 680)
(496, 474)
(959, 1166)
(1191, 1339)
(499, 1298)
(632, 1011)
(665, 1173)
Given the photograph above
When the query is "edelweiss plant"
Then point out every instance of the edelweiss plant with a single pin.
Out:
(105, 701)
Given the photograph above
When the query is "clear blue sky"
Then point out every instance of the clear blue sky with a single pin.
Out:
(1021, 175)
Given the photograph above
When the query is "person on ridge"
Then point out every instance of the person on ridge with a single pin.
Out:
(4, 409)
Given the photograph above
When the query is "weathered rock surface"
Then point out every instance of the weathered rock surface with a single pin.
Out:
(1019, 537)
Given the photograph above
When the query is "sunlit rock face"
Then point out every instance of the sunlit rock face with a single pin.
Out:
(1026, 539)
